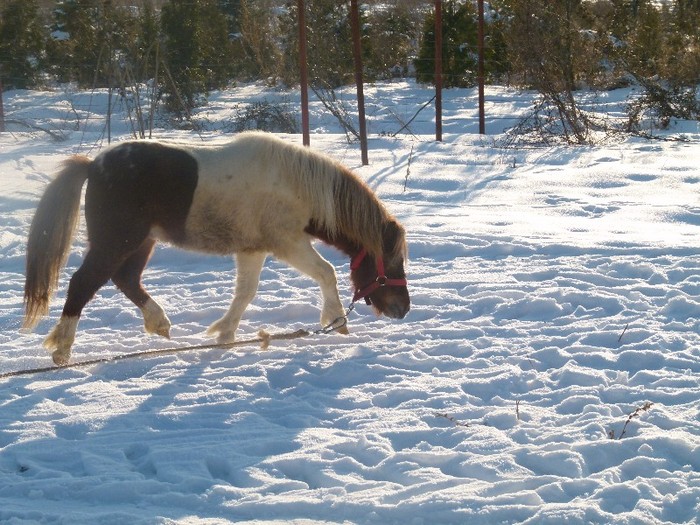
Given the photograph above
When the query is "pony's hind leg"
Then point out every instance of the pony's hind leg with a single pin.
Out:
(95, 271)
(128, 279)
(61, 338)
(248, 267)
(306, 259)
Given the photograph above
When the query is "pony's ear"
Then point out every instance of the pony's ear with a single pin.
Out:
(393, 238)
(392, 229)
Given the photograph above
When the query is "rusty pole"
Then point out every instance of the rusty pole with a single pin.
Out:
(357, 54)
(438, 70)
(304, 75)
(2, 110)
(482, 123)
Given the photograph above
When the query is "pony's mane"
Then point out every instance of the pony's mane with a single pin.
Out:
(342, 205)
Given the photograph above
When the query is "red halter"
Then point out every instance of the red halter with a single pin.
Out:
(381, 280)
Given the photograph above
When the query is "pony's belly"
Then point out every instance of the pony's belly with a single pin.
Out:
(209, 243)
(224, 234)
(216, 240)
(252, 221)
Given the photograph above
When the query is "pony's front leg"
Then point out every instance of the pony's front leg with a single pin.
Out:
(248, 267)
(306, 259)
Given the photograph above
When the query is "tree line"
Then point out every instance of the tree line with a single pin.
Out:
(186, 48)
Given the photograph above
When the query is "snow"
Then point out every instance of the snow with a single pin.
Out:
(555, 291)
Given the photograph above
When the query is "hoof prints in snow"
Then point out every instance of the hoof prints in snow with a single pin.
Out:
(552, 297)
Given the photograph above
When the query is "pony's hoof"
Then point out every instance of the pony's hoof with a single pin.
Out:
(343, 330)
(222, 327)
(61, 338)
(226, 338)
(163, 332)
(60, 357)
(161, 327)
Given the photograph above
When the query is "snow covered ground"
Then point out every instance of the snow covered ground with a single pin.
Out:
(555, 292)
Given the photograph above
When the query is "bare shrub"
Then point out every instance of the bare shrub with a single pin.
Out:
(265, 116)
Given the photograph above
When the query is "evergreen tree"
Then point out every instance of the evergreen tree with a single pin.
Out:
(197, 51)
(142, 49)
(654, 41)
(459, 46)
(90, 38)
(257, 52)
(74, 50)
(22, 42)
(389, 36)
(682, 66)
(232, 10)
(645, 41)
(497, 60)
(328, 43)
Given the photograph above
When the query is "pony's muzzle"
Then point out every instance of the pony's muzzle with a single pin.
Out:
(397, 311)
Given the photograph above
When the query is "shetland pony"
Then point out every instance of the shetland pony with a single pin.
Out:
(254, 196)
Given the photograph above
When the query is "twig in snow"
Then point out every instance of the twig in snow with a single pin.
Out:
(623, 332)
(56, 135)
(452, 419)
(408, 169)
(645, 407)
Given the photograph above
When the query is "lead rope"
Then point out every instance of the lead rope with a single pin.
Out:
(263, 340)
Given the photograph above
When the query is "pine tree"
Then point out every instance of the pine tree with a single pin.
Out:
(89, 40)
(258, 53)
(232, 11)
(22, 42)
(459, 46)
(197, 51)
(74, 50)
(682, 64)
(142, 50)
(388, 40)
(328, 42)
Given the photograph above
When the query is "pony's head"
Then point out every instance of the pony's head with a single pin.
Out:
(381, 280)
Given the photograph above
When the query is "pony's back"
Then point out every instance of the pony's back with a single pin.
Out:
(340, 202)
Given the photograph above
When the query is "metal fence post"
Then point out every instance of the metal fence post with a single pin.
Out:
(482, 124)
(2, 109)
(438, 70)
(357, 54)
(304, 76)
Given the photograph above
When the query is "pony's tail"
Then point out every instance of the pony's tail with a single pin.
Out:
(50, 237)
